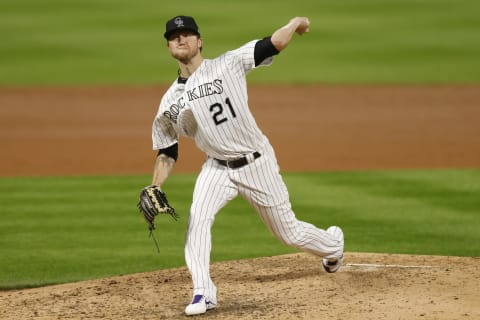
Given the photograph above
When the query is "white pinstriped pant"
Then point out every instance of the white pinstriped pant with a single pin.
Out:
(262, 186)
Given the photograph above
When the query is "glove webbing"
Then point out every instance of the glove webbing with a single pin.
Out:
(153, 195)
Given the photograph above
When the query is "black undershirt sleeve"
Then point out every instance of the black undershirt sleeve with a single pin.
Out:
(171, 151)
(263, 49)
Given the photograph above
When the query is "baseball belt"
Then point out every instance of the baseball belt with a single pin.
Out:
(238, 163)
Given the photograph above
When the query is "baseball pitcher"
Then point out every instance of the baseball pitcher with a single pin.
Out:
(208, 102)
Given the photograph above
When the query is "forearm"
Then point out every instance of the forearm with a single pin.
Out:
(282, 37)
(163, 166)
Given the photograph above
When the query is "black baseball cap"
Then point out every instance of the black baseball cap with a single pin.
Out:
(181, 23)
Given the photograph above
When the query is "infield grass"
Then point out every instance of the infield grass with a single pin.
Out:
(64, 229)
(54, 42)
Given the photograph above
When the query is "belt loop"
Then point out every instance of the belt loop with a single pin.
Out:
(250, 158)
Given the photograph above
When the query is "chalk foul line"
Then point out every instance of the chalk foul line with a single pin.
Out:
(369, 265)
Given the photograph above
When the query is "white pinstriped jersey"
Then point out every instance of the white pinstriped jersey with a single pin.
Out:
(212, 107)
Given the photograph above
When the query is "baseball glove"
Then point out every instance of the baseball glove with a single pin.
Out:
(153, 201)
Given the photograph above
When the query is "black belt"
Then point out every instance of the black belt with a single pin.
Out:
(237, 163)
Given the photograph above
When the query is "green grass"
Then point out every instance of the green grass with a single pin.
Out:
(54, 42)
(63, 229)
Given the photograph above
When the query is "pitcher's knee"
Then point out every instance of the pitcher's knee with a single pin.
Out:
(295, 240)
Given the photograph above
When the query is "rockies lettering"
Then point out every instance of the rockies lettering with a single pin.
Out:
(174, 110)
(203, 90)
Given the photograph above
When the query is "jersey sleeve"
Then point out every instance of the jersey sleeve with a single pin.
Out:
(246, 56)
(163, 133)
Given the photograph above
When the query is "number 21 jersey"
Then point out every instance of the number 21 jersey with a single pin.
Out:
(212, 107)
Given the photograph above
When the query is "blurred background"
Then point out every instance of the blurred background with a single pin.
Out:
(79, 42)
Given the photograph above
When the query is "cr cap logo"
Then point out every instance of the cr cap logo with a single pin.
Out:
(179, 22)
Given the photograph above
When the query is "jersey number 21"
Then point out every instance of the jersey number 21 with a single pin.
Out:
(217, 110)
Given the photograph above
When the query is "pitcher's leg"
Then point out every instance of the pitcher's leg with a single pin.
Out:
(261, 184)
(304, 236)
(212, 191)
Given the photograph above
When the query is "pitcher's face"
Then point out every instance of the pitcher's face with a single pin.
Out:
(184, 45)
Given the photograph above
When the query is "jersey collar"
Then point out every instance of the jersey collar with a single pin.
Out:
(182, 80)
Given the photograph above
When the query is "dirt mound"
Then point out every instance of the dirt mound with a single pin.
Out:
(368, 286)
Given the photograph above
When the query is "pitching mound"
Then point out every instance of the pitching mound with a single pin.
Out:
(369, 286)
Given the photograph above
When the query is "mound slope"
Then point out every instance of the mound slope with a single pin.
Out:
(294, 286)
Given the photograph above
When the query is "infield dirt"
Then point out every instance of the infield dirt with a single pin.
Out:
(64, 131)
(77, 131)
(282, 287)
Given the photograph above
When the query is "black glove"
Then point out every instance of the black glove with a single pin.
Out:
(152, 202)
